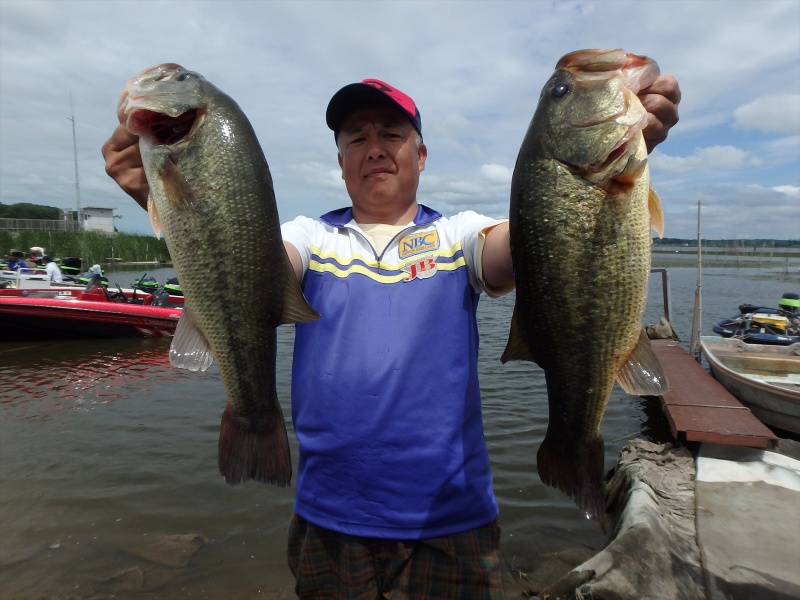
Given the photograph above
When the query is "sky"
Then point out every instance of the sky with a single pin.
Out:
(475, 70)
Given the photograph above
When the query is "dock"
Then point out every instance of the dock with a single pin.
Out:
(700, 409)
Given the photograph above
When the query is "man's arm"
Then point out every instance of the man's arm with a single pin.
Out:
(294, 258)
(124, 164)
(498, 272)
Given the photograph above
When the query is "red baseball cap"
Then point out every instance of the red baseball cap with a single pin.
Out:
(369, 91)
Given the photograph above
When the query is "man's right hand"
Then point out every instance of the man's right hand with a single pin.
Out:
(124, 164)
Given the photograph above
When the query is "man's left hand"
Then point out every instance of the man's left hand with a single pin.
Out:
(661, 102)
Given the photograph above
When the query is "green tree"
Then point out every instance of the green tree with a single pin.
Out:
(26, 210)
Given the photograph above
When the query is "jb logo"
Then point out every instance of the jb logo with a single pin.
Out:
(421, 269)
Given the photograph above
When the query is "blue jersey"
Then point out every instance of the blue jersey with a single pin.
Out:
(385, 397)
(17, 264)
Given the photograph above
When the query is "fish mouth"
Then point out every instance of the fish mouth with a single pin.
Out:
(639, 71)
(162, 129)
(160, 104)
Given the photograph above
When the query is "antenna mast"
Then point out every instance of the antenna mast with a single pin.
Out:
(75, 154)
(697, 317)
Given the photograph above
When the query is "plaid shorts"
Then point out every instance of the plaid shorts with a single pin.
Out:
(330, 565)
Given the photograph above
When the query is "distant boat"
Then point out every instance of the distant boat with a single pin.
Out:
(762, 325)
(42, 311)
(763, 377)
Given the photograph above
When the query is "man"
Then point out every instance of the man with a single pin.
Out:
(16, 261)
(394, 491)
(53, 272)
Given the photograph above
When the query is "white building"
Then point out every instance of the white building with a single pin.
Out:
(98, 218)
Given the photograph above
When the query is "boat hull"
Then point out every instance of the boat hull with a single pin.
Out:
(764, 378)
(69, 317)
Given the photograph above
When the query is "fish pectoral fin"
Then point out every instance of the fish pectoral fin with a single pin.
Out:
(189, 348)
(152, 212)
(177, 190)
(517, 347)
(656, 213)
(295, 306)
(642, 374)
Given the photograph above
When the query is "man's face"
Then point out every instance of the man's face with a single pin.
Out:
(379, 156)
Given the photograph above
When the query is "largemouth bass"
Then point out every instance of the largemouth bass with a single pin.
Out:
(211, 195)
(580, 218)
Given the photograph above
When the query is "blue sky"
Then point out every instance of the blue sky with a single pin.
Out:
(474, 68)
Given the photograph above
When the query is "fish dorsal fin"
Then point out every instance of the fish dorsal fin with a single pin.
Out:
(189, 349)
(152, 212)
(656, 214)
(295, 306)
(516, 348)
(642, 374)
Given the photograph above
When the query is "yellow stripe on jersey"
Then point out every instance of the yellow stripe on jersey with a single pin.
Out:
(381, 272)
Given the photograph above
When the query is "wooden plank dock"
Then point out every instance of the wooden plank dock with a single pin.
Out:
(700, 409)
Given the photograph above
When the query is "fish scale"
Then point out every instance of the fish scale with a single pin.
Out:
(580, 214)
(211, 194)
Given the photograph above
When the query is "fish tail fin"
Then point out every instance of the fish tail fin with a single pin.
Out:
(254, 449)
(578, 472)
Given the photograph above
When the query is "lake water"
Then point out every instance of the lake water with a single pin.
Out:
(108, 468)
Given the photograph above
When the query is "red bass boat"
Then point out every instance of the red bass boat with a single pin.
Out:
(76, 312)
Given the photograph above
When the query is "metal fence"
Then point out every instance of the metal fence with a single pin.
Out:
(37, 225)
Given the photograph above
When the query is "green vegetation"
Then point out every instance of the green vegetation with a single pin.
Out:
(91, 246)
(26, 210)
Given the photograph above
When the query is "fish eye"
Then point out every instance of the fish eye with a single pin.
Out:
(559, 91)
(186, 75)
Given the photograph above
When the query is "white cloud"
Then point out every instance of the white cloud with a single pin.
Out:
(792, 191)
(476, 79)
(777, 113)
(497, 173)
(711, 158)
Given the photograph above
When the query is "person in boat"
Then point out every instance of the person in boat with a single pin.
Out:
(53, 272)
(16, 261)
(790, 305)
(394, 489)
(36, 254)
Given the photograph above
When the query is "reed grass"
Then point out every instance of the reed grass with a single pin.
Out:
(90, 246)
